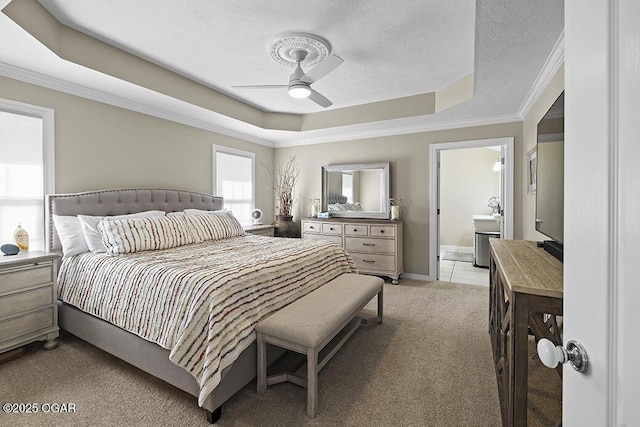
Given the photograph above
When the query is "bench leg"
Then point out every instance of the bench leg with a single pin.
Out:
(312, 382)
(380, 304)
(262, 364)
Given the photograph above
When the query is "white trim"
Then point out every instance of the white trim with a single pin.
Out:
(507, 197)
(616, 79)
(551, 66)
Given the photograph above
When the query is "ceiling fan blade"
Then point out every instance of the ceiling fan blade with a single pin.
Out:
(261, 86)
(319, 99)
(322, 69)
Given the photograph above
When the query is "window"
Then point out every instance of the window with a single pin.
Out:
(234, 179)
(26, 170)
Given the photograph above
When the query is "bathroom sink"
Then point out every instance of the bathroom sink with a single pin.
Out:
(486, 223)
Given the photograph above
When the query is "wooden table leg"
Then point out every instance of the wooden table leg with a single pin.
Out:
(519, 360)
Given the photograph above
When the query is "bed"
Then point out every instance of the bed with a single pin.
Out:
(180, 279)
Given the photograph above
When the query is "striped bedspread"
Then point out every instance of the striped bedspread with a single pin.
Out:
(200, 301)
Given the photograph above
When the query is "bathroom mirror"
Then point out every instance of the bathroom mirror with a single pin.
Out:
(358, 190)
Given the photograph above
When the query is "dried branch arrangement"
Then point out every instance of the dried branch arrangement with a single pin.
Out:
(284, 183)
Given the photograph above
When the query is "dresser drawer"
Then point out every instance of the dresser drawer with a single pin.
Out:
(356, 230)
(375, 262)
(311, 227)
(366, 244)
(26, 324)
(25, 301)
(20, 278)
(335, 239)
(331, 228)
(383, 230)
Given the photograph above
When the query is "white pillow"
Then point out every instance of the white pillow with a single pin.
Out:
(93, 236)
(71, 235)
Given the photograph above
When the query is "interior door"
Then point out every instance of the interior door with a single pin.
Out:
(602, 210)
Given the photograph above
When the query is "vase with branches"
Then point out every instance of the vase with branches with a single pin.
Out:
(283, 181)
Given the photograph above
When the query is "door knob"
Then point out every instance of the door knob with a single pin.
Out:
(575, 354)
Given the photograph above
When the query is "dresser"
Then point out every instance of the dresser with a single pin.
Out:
(374, 244)
(28, 295)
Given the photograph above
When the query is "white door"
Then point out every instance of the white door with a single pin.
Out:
(602, 210)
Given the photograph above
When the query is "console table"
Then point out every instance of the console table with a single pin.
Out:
(525, 295)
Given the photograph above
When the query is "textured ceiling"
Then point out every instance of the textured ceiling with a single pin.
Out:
(389, 52)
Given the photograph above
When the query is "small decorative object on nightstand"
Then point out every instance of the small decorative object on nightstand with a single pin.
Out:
(256, 216)
(28, 294)
(259, 229)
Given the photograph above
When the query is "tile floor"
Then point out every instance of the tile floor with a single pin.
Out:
(462, 272)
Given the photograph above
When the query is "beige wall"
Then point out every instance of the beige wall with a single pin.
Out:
(529, 136)
(409, 157)
(467, 181)
(101, 146)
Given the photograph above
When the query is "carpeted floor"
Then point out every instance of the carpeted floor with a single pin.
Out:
(428, 364)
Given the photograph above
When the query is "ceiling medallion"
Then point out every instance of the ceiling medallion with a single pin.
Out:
(283, 48)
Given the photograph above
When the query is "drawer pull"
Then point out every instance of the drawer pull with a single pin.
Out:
(311, 227)
(368, 260)
(368, 244)
(355, 230)
(331, 228)
(382, 231)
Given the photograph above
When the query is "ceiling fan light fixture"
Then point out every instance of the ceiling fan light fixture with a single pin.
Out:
(299, 91)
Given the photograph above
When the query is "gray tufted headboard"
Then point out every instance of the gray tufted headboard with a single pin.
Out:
(121, 202)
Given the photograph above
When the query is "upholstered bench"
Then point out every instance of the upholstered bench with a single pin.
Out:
(317, 325)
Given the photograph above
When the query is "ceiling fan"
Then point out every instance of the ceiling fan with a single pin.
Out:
(294, 50)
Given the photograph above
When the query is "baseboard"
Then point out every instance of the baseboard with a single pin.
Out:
(417, 277)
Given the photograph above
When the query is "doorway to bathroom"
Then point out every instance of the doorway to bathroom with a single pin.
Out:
(471, 202)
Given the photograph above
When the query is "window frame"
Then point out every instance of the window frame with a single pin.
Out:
(48, 149)
(235, 152)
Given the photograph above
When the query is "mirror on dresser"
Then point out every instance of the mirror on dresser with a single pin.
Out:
(359, 190)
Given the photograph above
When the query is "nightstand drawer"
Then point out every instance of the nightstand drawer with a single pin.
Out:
(365, 244)
(20, 278)
(331, 228)
(25, 301)
(26, 324)
(374, 262)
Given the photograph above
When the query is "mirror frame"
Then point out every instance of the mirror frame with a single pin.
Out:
(384, 214)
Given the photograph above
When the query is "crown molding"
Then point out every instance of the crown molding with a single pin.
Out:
(181, 114)
(551, 66)
(356, 134)
(182, 117)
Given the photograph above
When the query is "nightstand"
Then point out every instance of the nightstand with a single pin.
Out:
(259, 229)
(28, 300)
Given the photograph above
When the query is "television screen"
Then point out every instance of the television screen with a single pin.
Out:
(550, 173)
